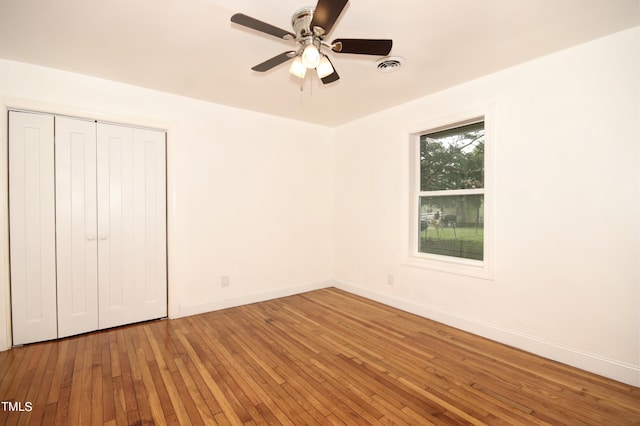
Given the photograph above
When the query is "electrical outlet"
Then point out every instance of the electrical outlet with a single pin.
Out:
(224, 281)
(390, 280)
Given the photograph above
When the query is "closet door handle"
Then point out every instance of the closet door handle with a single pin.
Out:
(103, 237)
(91, 237)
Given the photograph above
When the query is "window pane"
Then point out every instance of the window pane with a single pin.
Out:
(452, 159)
(452, 226)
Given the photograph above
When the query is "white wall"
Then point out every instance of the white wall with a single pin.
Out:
(566, 271)
(247, 197)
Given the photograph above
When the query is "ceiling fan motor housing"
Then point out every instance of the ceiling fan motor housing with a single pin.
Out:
(301, 23)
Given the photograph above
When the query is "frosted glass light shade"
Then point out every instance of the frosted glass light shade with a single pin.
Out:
(310, 56)
(324, 68)
(297, 68)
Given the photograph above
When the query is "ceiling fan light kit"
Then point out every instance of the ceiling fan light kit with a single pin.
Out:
(310, 26)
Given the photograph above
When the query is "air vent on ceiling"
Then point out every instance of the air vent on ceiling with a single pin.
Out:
(389, 64)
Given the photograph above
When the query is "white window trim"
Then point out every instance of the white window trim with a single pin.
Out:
(469, 267)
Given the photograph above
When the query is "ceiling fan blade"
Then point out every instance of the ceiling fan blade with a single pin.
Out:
(275, 61)
(255, 24)
(326, 14)
(331, 77)
(362, 46)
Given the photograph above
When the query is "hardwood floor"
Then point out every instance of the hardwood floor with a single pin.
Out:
(324, 357)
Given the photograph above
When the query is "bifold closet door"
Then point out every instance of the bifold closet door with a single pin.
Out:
(76, 226)
(32, 227)
(131, 225)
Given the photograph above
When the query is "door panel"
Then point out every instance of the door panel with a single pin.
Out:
(32, 227)
(150, 216)
(76, 226)
(115, 229)
(131, 225)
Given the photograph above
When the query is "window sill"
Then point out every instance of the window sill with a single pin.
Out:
(467, 267)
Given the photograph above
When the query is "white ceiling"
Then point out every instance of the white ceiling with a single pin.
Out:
(190, 47)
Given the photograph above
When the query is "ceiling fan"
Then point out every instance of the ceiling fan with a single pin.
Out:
(311, 25)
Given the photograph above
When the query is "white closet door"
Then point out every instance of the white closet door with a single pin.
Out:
(76, 226)
(131, 225)
(32, 227)
(150, 216)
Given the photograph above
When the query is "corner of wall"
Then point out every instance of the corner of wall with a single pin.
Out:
(185, 310)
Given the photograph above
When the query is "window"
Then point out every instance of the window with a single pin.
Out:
(452, 192)
(449, 198)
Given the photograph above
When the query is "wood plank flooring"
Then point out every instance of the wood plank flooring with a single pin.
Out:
(324, 357)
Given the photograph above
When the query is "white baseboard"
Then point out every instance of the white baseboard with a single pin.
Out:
(215, 305)
(610, 368)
